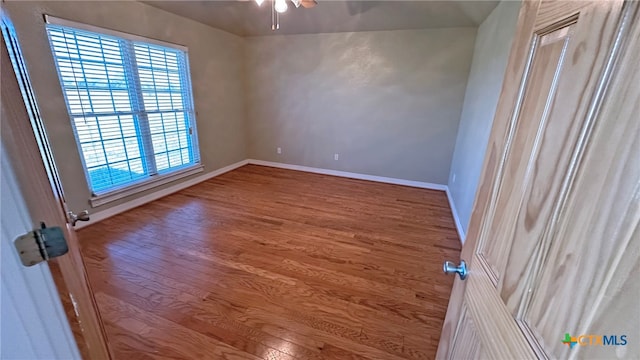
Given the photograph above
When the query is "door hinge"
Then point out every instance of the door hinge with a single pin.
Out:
(41, 245)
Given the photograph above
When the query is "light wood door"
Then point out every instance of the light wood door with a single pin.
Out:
(554, 239)
(25, 145)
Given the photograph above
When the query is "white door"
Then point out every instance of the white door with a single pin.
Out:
(33, 322)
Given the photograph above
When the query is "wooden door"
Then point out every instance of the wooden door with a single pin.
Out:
(25, 145)
(554, 238)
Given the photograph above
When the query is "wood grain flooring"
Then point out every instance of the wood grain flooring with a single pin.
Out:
(265, 263)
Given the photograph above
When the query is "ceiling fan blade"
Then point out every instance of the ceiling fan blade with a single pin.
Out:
(309, 3)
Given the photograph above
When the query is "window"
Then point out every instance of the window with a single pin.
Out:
(130, 104)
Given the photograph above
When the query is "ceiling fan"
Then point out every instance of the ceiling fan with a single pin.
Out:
(280, 6)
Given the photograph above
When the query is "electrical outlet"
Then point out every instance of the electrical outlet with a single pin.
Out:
(336, 156)
(279, 150)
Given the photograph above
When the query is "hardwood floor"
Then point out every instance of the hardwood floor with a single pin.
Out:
(265, 263)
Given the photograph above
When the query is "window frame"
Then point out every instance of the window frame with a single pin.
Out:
(153, 180)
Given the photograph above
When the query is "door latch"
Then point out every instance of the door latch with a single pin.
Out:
(451, 268)
(41, 245)
(81, 216)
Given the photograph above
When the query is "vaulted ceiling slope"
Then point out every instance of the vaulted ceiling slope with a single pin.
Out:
(246, 18)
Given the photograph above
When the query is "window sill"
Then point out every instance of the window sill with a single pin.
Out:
(147, 184)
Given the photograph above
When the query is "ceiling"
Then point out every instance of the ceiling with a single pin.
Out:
(246, 18)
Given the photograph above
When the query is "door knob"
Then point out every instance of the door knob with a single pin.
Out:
(82, 216)
(450, 268)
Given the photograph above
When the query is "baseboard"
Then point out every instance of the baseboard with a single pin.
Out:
(418, 184)
(105, 214)
(456, 219)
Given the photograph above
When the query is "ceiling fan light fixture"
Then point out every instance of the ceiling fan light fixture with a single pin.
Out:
(281, 6)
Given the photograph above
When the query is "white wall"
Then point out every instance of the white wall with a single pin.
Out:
(490, 57)
(388, 102)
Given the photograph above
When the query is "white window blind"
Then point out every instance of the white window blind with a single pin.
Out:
(130, 105)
